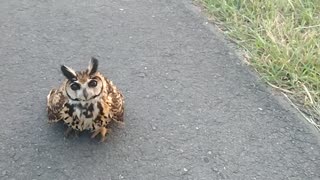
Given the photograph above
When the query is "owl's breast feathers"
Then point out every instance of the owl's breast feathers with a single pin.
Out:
(55, 103)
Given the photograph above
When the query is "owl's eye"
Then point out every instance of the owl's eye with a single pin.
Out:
(75, 86)
(92, 83)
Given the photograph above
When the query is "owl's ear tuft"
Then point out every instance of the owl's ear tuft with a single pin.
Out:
(68, 73)
(93, 66)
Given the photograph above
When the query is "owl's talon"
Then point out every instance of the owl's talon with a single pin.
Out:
(103, 131)
(103, 139)
(95, 133)
(103, 134)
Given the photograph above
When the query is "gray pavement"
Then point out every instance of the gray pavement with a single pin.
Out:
(192, 110)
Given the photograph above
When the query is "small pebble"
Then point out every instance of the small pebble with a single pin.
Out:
(142, 75)
(215, 169)
(185, 169)
(260, 109)
(209, 152)
(121, 9)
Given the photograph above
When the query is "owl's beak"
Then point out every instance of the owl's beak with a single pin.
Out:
(85, 94)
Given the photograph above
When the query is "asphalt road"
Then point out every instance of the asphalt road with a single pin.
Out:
(192, 110)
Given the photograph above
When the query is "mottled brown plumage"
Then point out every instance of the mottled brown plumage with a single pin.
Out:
(86, 100)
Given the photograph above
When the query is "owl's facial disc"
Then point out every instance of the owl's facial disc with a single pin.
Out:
(85, 91)
(85, 85)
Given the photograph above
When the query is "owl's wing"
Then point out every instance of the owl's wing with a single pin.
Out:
(118, 106)
(55, 104)
(117, 101)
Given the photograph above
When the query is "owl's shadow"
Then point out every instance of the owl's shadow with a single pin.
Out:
(83, 137)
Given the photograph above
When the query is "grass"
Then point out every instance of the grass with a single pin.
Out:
(282, 42)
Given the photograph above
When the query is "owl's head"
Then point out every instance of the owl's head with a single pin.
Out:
(83, 85)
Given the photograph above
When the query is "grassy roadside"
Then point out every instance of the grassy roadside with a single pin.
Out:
(282, 42)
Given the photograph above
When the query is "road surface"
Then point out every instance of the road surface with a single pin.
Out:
(193, 111)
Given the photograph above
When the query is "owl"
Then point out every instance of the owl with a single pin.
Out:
(86, 100)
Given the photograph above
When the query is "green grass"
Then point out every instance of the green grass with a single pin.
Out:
(282, 40)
